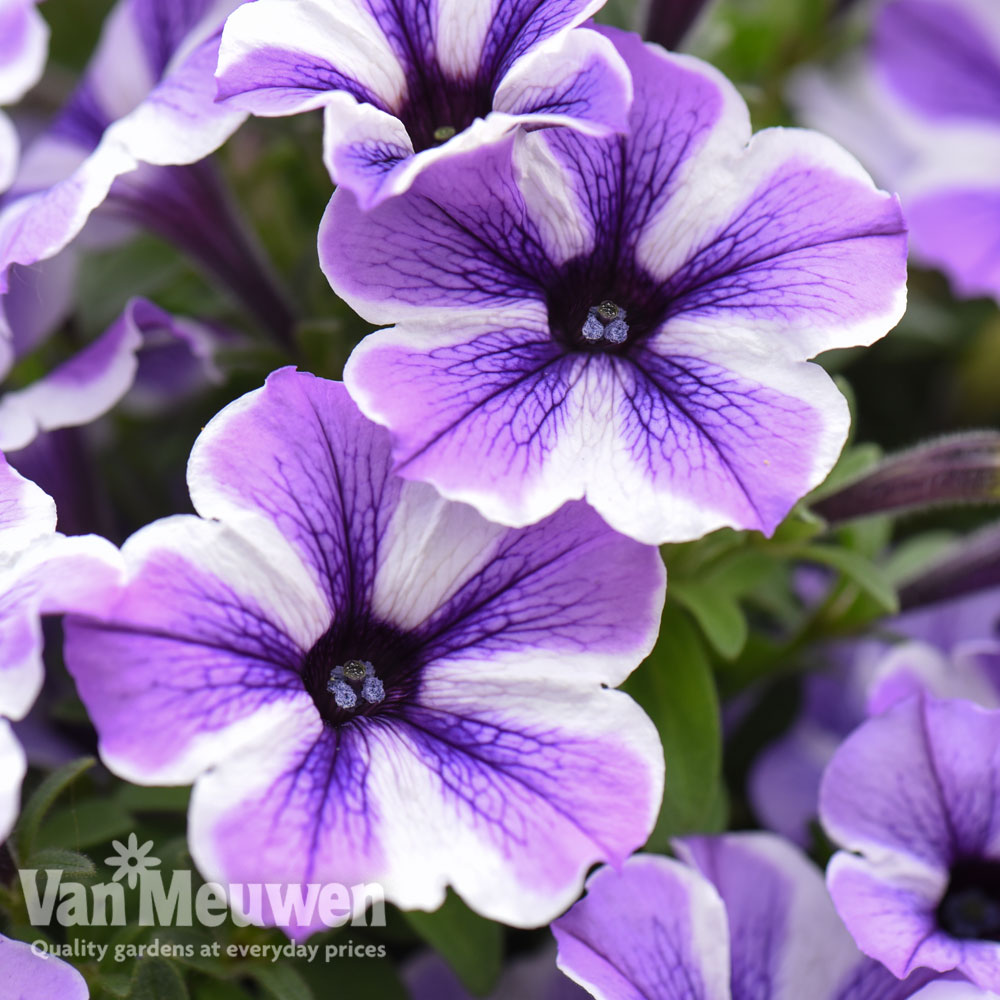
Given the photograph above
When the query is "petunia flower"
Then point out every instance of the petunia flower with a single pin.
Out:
(913, 797)
(366, 683)
(409, 83)
(949, 649)
(920, 106)
(93, 380)
(28, 974)
(625, 320)
(41, 572)
(130, 147)
(743, 916)
(24, 46)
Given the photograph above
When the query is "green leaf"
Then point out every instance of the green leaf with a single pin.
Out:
(74, 866)
(86, 825)
(217, 989)
(38, 806)
(858, 569)
(116, 983)
(719, 615)
(157, 979)
(151, 798)
(676, 688)
(282, 982)
(472, 945)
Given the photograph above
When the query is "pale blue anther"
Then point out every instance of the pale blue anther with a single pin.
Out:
(593, 328)
(343, 677)
(616, 331)
(343, 693)
(372, 690)
(605, 322)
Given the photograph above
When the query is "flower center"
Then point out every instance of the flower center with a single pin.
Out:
(970, 909)
(596, 305)
(438, 107)
(339, 672)
(605, 322)
(354, 678)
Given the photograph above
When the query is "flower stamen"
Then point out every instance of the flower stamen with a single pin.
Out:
(344, 680)
(605, 322)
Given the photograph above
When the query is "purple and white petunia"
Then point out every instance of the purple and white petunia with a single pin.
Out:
(365, 682)
(741, 917)
(41, 572)
(950, 649)
(625, 320)
(92, 381)
(28, 974)
(24, 46)
(913, 795)
(130, 147)
(409, 83)
(921, 108)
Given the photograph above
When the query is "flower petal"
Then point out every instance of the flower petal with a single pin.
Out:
(24, 47)
(913, 790)
(177, 122)
(509, 804)
(13, 765)
(941, 57)
(656, 929)
(90, 383)
(578, 80)
(53, 575)
(330, 498)
(676, 440)
(212, 631)
(26, 513)
(280, 58)
(766, 883)
(27, 975)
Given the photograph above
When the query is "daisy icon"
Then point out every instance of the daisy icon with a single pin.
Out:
(130, 862)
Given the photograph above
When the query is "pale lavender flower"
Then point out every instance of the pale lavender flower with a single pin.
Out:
(913, 797)
(92, 381)
(41, 572)
(950, 649)
(743, 916)
(26, 974)
(406, 84)
(921, 108)
(24, 46)
(491, 755)
(129, 149)
(626, 320)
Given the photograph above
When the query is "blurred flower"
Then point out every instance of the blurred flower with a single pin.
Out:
(921, 109)
(130, 146)
(407, 84)
(740, 916)
(367, 683)
(41, 572)
(626, 319)
(93, 380)
(913, 797)
(25, 974)
(24, 46)
(950, 649)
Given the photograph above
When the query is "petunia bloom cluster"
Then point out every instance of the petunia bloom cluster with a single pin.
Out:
(387, 644)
